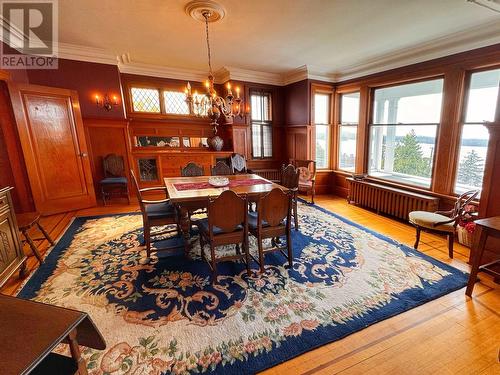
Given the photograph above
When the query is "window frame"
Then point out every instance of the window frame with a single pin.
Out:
(370, 124)
(261, 123)
(323, 89)
(462, 123)
(340, 124)
(161, 88)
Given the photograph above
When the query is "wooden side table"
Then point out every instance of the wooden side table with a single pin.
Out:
(25, 222)
(30, 330)
(485, 228)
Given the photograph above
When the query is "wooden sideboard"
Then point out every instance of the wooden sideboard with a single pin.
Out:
(12, 256)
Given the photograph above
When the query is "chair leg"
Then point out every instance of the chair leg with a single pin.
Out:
(417, 240)
(289, 247)
(103, 193)
(213, 263)
(127, 192)
(261, 254)
(295, 217)
(313, 193)
(451, 239)
(44, 232)
(147, 240)
(32, 246)
(244, 245)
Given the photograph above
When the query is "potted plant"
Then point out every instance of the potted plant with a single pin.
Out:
(466, 226)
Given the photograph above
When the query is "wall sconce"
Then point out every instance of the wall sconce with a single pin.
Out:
(105, 102)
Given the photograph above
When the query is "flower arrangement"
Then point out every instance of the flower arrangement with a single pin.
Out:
(466, 225)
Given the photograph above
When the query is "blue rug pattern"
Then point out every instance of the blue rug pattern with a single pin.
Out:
(163, 315)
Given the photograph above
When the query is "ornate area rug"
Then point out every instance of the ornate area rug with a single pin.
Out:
(164, 316)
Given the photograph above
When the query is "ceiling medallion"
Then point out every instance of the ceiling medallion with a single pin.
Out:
(196, 9)
(210, 104)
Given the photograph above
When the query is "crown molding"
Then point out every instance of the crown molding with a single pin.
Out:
(465, 40)
(162, 71)
(228, 73)
(82, 53)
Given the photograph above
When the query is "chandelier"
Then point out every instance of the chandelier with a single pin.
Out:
(210, 104)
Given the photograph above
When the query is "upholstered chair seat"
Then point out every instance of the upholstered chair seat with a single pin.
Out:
(203, 226)
(114, 180)
(430, 219)
(163, 210)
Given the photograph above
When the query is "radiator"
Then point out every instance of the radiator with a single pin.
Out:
(389, 200)
(269, 174)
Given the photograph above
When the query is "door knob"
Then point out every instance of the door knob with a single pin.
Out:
(83, 154)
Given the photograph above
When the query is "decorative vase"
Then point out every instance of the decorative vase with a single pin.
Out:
(216, 142)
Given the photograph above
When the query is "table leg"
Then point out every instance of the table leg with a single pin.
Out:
(75, 353)
(185, 222)
(478, 250)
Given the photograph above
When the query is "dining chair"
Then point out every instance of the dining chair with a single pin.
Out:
(289, 178)
(239, 164)
(192, 170)
(442, 222)
(156, 213)
(272, 220)
(226, 224)
(221, 169)
(307, 179)
(114, 180)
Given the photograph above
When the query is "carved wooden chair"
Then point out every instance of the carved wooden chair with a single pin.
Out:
(114, 181)
(442, 222)
(307, 179)
(226, 224)
(192, 170)
(272, 220)
(239, 164)
(290, 179)
(221, 169)
(156, 213)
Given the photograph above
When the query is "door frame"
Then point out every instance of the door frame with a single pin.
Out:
(17, 90)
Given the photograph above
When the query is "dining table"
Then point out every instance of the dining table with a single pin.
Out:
(189, 194)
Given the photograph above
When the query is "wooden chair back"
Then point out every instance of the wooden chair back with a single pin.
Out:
(289, 177)
(113, 165)
(273, 208)
(192, 170)
(462, 201)
(238, 164)
(138, 192)
(307, 169)
(221, 169)
(226, 212)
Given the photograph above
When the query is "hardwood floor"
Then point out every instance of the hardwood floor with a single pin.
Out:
(450, 335)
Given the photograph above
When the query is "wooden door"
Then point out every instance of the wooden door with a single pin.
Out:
(52, 138)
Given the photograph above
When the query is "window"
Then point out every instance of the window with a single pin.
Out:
(348, 129)
(403, 132)
(481, 106)
(322, 116)
(175, 103)
(145, 100)
(261, 119)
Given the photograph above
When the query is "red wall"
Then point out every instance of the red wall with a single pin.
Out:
(88, 79)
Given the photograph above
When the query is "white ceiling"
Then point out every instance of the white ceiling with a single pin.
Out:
(331, 37)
